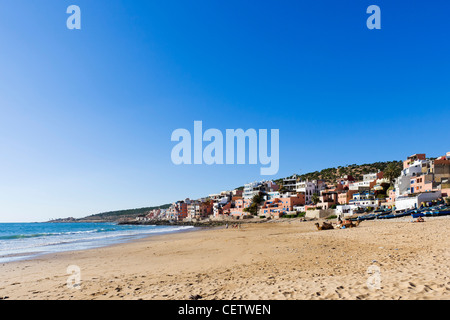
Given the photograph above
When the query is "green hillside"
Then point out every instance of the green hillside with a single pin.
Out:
(116, 215)
(355, 170)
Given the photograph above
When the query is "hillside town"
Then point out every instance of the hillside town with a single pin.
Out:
(422, 180)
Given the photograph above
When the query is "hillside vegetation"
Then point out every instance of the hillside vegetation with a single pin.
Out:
(113, 216)
(120, 214)
(355, 170)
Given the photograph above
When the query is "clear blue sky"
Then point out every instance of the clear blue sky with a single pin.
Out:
(87, 115)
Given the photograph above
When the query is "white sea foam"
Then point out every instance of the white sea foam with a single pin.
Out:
(20, 244)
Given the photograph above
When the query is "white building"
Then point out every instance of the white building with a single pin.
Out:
(299, 208)
(365, 183)
(290, 183)
(272, 195)
(251, 189)
(360, 200)
(370, 176)
(364, 200)
(345, 210)
(359, 185)
(217, 205)
(403, 183)
(254, 188)
(309, 188)
(407, 202)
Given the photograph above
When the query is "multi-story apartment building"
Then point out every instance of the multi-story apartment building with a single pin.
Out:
(178, 210)
(198, 209)
(290, 183)
(309, 188)
(440, 168)
(220, 202)
(413, 159)
(327, 199)
(369, 180)
(365, 199)
(422, 183)
(278, 206)
(414, 166)
(239, 205)
(259, 187)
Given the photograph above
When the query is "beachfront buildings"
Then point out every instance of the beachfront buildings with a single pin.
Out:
(390, 200)
(414, 166)
(440, 168)
(369, 180)
(422, 183)
(327, 199)
(345, 180)
(178, 210)
(222, 201)
(422, 175)
(156, 214)
(251, 189)
(421, 180)
(239, 204)
(345, 196)
(277, 207)
(413, 201)
(310, 188)
(199, 209)
(365, 199)
(258, 187)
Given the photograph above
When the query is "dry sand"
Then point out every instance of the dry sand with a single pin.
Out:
(278, 260)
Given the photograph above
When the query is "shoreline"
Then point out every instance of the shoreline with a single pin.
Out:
(53, 255)
(199, 226)
(27, 256)
(283, 260)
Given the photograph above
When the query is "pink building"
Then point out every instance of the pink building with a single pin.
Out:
(392, 196)
(199, 210)
(445, 192)
(178, 210)
(422, 183)
(239, 205)
(345, 196)
(279, 206)
(327, 199)
(411, 159)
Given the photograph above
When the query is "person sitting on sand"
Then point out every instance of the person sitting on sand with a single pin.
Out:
(350, 224)
(419, 219)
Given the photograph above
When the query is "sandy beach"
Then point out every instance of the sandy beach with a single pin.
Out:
(278, 260)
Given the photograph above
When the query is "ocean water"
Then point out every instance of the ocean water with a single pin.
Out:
(20, 241)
